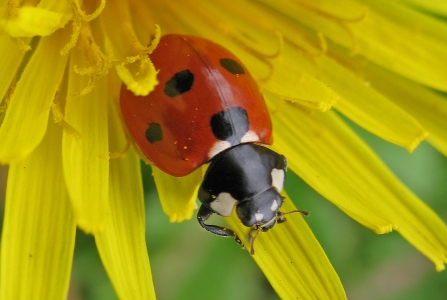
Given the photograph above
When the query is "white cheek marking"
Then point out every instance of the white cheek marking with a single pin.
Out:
(278, 179)
(218, 147)
(250, 136)
(274, 206)
(223, 204)
(259, 216)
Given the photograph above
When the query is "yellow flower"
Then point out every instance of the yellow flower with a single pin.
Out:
(380, 64)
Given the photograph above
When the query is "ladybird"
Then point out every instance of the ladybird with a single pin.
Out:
(208, 109)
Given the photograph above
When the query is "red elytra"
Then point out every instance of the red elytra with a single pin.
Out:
(199, 81)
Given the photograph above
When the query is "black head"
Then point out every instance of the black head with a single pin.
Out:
(262, 210)
(249, 178)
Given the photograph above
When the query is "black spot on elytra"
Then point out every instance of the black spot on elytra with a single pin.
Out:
(180, 83)
(232, 66)
(230, 125)
(154, 133)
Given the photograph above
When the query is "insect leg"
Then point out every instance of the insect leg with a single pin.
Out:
(204, 214)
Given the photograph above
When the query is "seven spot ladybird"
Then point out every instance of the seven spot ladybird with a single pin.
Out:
(208, 109)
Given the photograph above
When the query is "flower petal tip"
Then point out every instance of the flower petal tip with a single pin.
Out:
(440, 266)
(177, 218)
(325, 106)
(386, 229)
(422, 136)
(184, 215)
(88, 227)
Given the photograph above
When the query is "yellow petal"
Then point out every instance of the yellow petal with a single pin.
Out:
(39, 229)
(333, 160)
(393, 36)
(292, 259)
(11, 55)
(122, 243)
(86, 158)
(27, 115)
(369, 109)
(428, 107)
(177, 194)
(30, 21)
(301, 88)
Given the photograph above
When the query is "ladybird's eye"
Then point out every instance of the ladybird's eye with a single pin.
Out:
(232, 66)
(180, 83)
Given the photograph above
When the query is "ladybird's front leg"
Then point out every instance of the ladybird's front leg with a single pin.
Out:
(204, 214)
